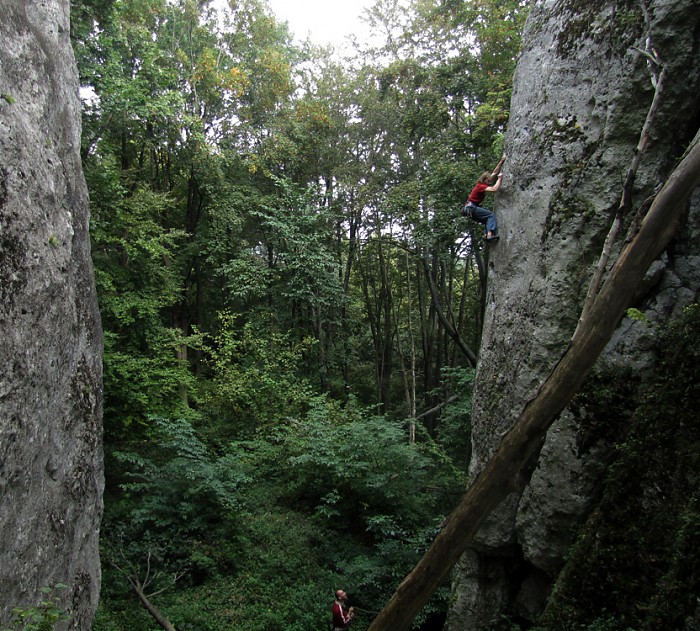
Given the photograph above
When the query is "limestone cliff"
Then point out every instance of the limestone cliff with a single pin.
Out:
(582, 90)
(51, 472)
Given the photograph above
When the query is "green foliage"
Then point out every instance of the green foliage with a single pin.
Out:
(260, 218)
(357, 470)
(357, 474)
(636, 314)
(174, 513)
(136, 283)
(255, 378)
(181, 489)
(138, 385)
(359, 508)
(283, 580)
(454, 430)
(44, 616)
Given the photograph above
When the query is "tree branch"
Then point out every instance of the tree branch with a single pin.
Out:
(152, 609)
(139, 586)
(454, 334)
(438, 407)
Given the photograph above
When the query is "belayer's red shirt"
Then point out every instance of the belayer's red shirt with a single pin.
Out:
(340, 619)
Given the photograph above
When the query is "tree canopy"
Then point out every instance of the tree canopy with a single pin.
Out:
(291, 299)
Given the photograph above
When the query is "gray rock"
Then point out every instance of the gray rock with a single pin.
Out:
(558, 496)
(581, 94)
(51, 471)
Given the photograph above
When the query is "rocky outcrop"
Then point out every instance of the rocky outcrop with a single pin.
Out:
(582, 91)
(51, 472)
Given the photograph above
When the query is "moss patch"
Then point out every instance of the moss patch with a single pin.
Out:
(589, 21)
(636, 563)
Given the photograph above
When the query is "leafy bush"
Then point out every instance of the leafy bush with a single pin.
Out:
(360, 473)
(42, 617)
(179, 499)
(268, 528)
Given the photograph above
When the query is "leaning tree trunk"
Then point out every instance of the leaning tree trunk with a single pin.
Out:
(51, 471)
(585, 95)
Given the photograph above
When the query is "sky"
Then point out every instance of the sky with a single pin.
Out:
(326, 21)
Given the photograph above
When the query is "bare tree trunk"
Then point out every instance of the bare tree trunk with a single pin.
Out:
(451, 331)
(378, 302)
(626, 200)
(412, 338)
(408, 374)
(520, 446)
(152, 609)
(131, 574)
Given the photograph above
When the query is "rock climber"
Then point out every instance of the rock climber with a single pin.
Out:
(487, 183)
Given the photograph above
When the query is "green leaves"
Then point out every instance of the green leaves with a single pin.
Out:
(260, 219)
(362, 469)
(44, 616)
(183, 483)
(255, 381)
(177, 501)
(301, 234)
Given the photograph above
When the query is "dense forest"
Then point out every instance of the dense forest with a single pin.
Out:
(290, 297)
(292, 307)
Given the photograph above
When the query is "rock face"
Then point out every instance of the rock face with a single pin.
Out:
(582, 91)
(51, 471)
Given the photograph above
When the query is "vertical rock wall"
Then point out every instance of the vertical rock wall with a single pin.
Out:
(581, 95)
(51, 473)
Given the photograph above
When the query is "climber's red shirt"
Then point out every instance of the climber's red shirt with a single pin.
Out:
(478, 193)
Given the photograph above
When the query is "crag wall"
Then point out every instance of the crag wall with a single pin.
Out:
(51, 472)
(582, 91)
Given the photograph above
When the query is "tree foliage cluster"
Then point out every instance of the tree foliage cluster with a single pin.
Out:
(290, 298)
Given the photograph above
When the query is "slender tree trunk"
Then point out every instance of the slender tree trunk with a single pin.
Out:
(408, 373)
(426, 328)
(354, 220)
(412, 339)
(152, 609)
(373, 307)
(462, 312)
(386, 306)
(181, 357)
(184, 311)
(521, 445)
(454, 334)
(626, 199)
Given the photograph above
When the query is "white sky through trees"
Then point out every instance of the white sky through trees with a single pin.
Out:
(325, 21)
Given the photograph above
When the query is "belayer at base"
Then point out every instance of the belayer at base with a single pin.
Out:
(341, 617)
(473, 210)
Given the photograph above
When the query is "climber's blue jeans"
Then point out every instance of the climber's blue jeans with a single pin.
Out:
(482, 215)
